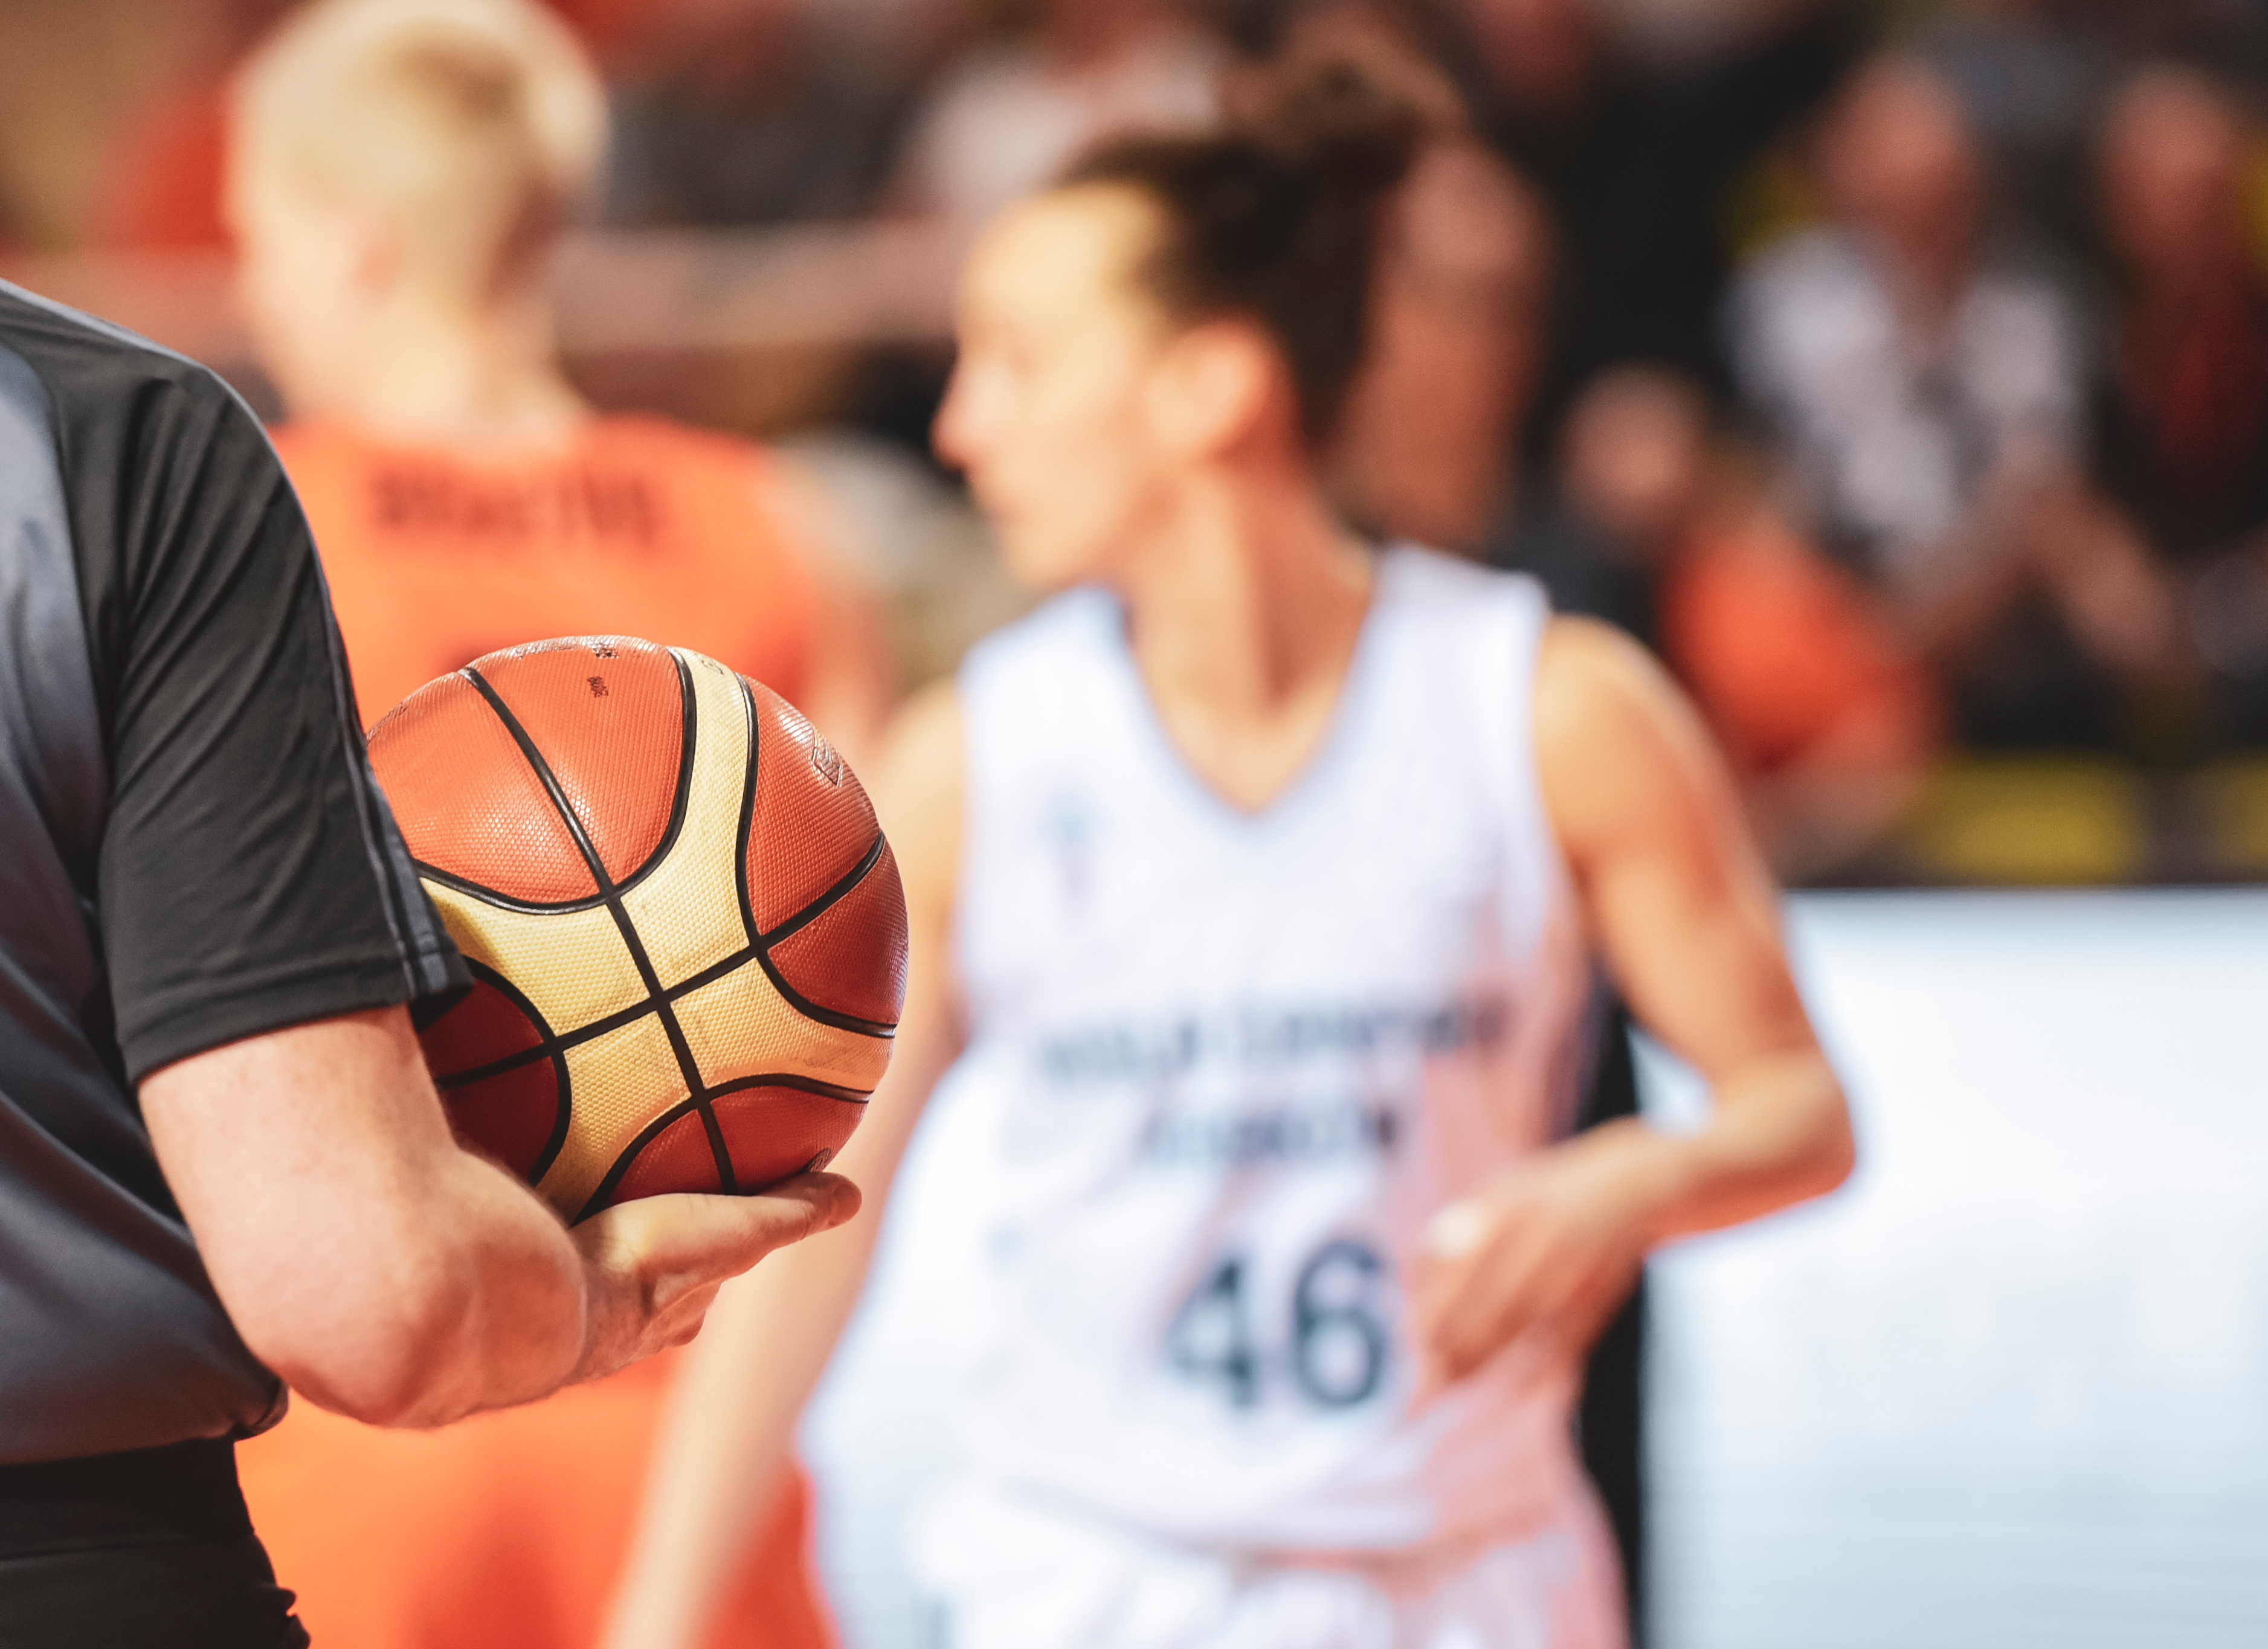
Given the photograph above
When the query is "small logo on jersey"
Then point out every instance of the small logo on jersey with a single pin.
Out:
(824, 762)
(1070, 830)
(597, 686)
(604, 651)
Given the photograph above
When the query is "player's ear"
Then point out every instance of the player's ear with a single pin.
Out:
(375, 257)
(1213, 386)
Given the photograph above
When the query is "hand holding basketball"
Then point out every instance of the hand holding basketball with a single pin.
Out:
(684, 926)
(656, 1263)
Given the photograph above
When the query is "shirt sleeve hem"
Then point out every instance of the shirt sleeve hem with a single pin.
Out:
(431, 981)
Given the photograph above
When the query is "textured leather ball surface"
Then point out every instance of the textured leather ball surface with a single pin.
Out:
(686, 932)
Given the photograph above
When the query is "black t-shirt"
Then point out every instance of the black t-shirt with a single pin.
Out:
(192, 852)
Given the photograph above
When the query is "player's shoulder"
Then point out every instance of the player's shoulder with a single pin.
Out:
(1611, 725)
(1594, 668)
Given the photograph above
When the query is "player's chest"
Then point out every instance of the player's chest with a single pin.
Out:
(1394, 874)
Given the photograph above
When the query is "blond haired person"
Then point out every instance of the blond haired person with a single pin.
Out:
(400, 173)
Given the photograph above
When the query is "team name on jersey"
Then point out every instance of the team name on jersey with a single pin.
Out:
(569, 500)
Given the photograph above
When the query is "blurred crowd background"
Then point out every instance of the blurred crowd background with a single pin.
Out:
(1898, 369)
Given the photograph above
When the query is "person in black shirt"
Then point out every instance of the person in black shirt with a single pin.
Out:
(2180, 417)
(223, 1165)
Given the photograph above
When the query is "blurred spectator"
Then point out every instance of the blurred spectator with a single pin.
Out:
(1828, 721)
(2182, 430)
(1009, 114)
(750, 112)
(1825, 714)
(1929, 393)
(1427, 443)
(162, 186)
(2033, 75)
(1638, 158)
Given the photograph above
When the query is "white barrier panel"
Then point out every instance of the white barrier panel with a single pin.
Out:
(2011, 1388)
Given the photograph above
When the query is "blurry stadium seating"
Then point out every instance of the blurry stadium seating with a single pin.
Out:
(733, 327)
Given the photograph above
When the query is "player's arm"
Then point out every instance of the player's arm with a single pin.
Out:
(389, 1275)
(740, 1391)
(1677, 901)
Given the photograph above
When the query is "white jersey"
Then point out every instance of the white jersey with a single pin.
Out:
(1239, 1060)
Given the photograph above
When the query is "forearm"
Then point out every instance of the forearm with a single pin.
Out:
(1779, 1134)
(515, 1319)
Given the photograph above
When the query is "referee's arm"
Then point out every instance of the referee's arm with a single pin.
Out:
(266, 937)
(386, 1274)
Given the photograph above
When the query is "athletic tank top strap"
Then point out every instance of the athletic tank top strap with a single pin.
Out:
(1483, 631)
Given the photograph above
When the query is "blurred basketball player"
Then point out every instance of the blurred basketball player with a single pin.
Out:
(1262, 874)
(400, 172)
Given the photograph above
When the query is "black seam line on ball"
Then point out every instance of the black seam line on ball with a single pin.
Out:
(803, 918)
(811, 1009)
(826, 901)
(680, 804)
(629, 1153)
(747, 820)
(553, 1048)
(682, 800)
(789, 1079)
(652, 1129)
(565, 1041)
(759, 939)
(687, 1067)
(724, 968)
(504, 902)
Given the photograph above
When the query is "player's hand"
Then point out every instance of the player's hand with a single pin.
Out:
(654, 1265)
(1543, 1254)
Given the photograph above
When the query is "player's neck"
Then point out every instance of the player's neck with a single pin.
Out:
(1243, 611)
(435, 373)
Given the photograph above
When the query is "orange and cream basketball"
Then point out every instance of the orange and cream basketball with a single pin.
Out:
(684, 925)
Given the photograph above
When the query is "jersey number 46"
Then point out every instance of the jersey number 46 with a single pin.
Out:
(1337, 1357)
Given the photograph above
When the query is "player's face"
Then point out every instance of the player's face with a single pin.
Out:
(1051, 412)
(296, 275)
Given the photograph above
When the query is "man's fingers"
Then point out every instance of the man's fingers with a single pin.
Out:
(801, 1207)
(722, 1236)
(695, 1239)
(659, 1261)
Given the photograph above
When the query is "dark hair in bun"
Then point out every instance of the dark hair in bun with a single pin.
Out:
(1276, 216)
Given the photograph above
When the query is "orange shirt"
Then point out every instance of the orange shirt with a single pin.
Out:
(509, 1530)
(628, 526)
(506, 1531)
(1780, 649)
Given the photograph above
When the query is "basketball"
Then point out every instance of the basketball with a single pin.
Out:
(685, 928)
